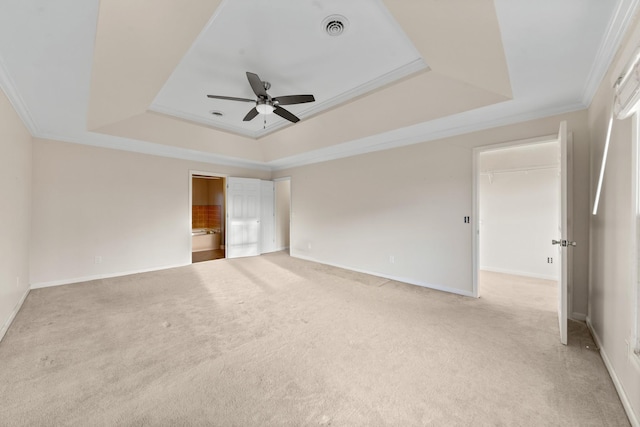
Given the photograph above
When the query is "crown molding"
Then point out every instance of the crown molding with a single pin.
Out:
(10, 89)
(475, 120)
(506, 113)
(618, 25)
(198, 120)
(153, 149)
(423, 132)
(410, 69)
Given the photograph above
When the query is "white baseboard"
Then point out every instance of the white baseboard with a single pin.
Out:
(520, 273)
(579, 316)
(396, 278)
(13, 314)
(633, 418)
(99, 276)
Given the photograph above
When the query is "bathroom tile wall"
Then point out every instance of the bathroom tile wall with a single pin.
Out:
(209, 216)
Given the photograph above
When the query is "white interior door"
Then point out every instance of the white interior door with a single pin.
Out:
(563, 241)
(268, 217)
(243, 217)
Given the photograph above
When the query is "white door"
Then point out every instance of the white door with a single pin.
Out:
(268, 217)
(563, 242)
(243, 217)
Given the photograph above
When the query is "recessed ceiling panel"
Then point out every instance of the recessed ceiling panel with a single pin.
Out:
(287, 43)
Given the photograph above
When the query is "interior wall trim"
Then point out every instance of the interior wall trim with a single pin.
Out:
(13, 314)
(9, 87)
(618, 25)
(407, 70)
(71, 281)
(459, 124)
(394, 278)
(519, 273)
(633, 418)
(581, 317)
(153, 149)
(620, 22)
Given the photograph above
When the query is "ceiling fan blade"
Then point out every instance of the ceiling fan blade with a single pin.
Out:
(257, 85)
(294, 99)
(250, 115)
(285, 114)
(231, 98)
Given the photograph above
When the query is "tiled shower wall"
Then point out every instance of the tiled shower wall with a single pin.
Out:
(209, 216)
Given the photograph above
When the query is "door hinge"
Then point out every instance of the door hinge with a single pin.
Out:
(563, 243)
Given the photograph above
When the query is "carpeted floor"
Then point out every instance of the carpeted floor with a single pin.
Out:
(277, 341)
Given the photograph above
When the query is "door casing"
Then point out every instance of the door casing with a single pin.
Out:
(475, 208)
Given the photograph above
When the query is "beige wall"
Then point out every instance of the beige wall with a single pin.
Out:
(611, 289)
(130, 209)
(282, 209)
(15, 211)
(406, 203)
(409, 203)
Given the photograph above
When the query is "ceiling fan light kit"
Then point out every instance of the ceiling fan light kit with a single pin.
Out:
(265, 104)
(264, 108)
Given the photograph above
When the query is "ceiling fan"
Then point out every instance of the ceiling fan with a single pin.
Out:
(265, 104)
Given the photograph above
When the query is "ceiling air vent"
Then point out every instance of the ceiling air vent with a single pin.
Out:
(335, 25)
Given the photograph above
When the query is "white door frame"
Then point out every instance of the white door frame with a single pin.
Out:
(192, 173)
(475, 225)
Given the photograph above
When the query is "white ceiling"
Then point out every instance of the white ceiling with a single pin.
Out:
(293, 53)
(89, 72)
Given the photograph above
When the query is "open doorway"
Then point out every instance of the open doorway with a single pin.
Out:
(518, 210)
(207, 217)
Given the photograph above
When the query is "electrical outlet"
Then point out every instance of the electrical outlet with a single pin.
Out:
(97, 259)
(392, 259)
(549, 260)
(309, 245)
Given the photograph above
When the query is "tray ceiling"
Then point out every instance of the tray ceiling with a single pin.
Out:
(133, 74)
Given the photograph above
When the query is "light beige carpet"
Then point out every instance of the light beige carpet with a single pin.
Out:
(276, 341)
